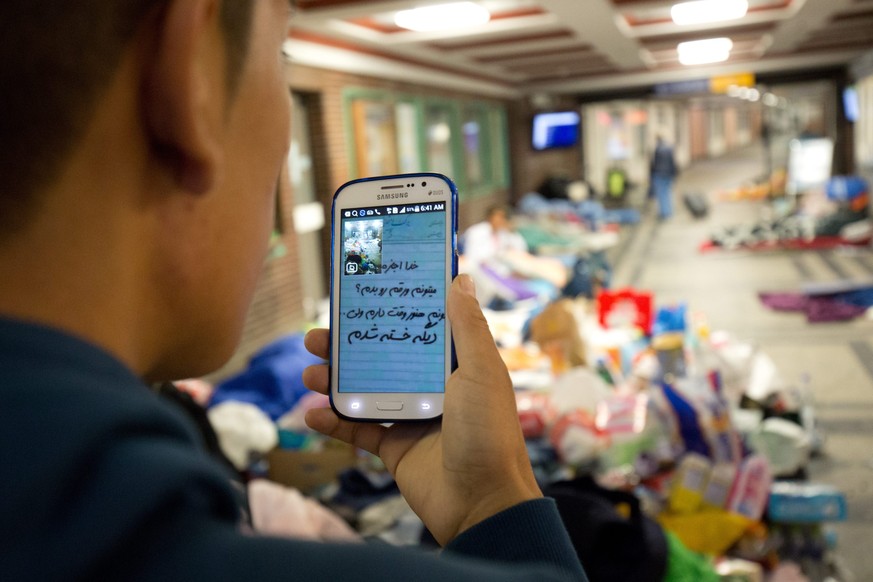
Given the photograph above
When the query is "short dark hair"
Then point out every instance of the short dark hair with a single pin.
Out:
(507, 211)
(57, 58)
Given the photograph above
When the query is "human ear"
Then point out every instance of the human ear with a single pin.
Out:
(185, 99)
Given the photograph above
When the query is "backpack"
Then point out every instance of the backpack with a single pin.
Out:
(611, 547)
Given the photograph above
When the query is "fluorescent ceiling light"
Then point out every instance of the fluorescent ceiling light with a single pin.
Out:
(442, 17)
(703, 52)
(703, 11)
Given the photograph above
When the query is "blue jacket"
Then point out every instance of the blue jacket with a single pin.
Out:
(663, 162)
(104, 481)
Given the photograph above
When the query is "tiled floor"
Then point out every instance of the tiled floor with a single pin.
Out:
(838, 358)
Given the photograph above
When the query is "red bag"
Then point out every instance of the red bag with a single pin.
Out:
(625, 307)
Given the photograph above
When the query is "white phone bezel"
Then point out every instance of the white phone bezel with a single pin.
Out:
(416, 189)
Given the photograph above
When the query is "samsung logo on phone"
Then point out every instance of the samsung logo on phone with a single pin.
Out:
(392, 196)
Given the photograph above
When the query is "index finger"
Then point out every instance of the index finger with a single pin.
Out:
(474, 344)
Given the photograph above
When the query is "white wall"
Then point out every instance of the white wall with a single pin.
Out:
(618, 133)
(864, 126)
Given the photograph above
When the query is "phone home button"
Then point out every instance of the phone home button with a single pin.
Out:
(390, 405)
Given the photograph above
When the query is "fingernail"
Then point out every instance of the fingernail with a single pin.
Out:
(465, 282)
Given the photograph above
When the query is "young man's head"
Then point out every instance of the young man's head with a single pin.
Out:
(499, 217)
(140, 144)
(59, 57)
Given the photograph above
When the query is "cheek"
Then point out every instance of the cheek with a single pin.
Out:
(260, 144)
(283, 123)
(276, 132)
(275, 104)
(266, 150)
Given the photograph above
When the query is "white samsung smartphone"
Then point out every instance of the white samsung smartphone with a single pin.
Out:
(393, 258)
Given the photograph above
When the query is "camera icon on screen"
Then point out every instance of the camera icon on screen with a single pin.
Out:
(352, 268)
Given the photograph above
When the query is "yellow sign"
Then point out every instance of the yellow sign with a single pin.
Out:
(721, 84)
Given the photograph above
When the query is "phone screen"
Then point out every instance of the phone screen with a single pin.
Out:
(392, 300)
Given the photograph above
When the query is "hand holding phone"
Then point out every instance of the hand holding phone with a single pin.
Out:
(471, 465)
(393, 257)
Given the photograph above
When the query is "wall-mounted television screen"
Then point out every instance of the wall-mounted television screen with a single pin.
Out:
(558, 129)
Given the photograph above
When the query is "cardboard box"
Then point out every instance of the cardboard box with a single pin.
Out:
(307, 471)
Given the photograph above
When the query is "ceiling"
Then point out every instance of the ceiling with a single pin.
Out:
(574, 46)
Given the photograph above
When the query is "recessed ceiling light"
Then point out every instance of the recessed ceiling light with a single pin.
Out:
(702, 11)
(442, 17)
(703, 52)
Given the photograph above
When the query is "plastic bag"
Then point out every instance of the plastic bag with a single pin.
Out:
(710, 531)
(625, 308)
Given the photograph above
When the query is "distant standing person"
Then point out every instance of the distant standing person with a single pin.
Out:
(663, 172)
(765, 144)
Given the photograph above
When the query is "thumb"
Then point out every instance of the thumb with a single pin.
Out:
(474, 344)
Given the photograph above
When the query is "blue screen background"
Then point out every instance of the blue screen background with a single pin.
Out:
(392, 303)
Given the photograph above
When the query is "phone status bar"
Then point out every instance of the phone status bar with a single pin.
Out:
(380, 211)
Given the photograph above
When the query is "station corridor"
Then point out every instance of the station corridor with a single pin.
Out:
(837, 358)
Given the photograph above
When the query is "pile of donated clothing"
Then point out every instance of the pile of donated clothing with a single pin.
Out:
(674, 452)
(836, 214)
(688, 445)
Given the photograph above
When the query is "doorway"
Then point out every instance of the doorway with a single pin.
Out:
(309, 211)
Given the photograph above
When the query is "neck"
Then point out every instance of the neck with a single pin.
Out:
(81, 265)
(81, 286)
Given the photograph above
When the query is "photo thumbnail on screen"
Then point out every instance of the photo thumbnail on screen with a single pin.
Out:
(362, 247)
